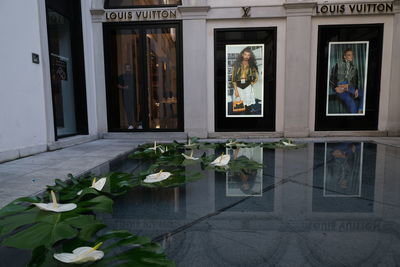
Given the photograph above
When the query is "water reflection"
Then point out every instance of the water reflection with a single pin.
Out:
(246, 181)
(328, 204)
(348, 177)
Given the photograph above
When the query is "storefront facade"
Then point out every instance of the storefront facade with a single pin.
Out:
(213, 68)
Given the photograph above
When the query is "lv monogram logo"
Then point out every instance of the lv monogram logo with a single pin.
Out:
(246, 12)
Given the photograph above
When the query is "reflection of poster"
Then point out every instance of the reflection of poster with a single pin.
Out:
(244, 80)
(246, 182)
(343, 169)
(347, 78)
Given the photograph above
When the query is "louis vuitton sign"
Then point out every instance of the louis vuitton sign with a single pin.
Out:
(141, 15)
(354, 9)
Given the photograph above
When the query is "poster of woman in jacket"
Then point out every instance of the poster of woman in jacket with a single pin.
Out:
(244, 80)
(347, 78)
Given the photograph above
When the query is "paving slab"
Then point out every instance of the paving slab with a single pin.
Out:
(30, 175)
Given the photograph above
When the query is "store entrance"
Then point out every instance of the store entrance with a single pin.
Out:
(143, 77)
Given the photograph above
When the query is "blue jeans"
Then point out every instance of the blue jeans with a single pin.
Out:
(351, 103)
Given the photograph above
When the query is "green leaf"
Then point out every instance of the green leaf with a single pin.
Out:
(12, 208)
(100, 203)
(43, 257)
(61, 183)
(88, 231)
(41, 234)
(9, 224)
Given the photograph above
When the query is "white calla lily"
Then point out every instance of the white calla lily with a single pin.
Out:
(189, 157)
(81, 255)
(189, 144)
(287, 144)
(98, 185)
(157, 177)
(222, 160)
(155, 147)
(54, 206)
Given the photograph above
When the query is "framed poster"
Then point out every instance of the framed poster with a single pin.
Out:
(244, 80)
(349, 60)
(347, 78)
(343, 169)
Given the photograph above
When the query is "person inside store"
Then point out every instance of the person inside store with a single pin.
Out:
(344, 81)
(127, 84)
(244, 76)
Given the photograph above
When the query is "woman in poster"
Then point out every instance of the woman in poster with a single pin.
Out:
(244, 76)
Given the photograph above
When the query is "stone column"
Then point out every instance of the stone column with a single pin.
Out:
(394, 94)
(194, 15)
(95, 76)
(297, 70)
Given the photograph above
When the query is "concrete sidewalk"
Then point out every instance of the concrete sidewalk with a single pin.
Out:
(30, 175)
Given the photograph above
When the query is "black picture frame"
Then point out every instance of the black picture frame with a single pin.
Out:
(231, 36)
(371, 33)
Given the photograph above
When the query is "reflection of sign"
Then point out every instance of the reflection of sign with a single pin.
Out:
(341, 9)
(139, 15)
(59, 69)
(246, 12)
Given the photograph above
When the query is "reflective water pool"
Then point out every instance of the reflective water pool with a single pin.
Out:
(328, 204)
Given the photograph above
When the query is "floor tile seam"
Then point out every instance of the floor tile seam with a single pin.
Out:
(363, 198)
(210, 215)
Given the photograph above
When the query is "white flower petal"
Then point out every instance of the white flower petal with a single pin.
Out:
(80, 255)
(60, 208)
(222, 160)
(157, 177)
(79, 193)
(287, 144)
(189, 157)
(99, 184)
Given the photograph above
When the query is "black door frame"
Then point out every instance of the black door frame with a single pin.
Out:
(73, 12)
(141, 27)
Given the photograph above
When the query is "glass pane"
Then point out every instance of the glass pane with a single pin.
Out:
(125, 85)
(62, 80)
(162, 78)
(129, 3)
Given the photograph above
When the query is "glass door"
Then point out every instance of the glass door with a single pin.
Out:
(144, 91)
(66, 67)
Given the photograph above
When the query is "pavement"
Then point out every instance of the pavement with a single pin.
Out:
(30, 175)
